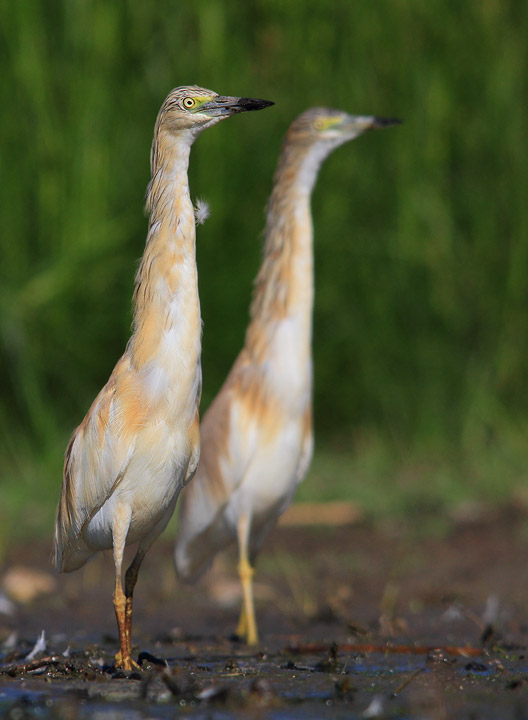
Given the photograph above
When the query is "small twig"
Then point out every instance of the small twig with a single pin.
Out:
(16, 668)
(316, 648)
(474, 618)
(406, 682)
(169, 682)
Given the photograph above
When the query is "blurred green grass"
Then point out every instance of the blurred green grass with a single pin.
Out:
(420, 337)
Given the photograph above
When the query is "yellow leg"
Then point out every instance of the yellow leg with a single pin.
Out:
(247, 623)
(123, 656)
(123, 608)
(122, 601)
(130, 583)
(241, 628)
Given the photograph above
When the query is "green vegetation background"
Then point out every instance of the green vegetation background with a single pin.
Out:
(421, 333)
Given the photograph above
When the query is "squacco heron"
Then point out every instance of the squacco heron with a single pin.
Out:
(257, 435)
(139, 443)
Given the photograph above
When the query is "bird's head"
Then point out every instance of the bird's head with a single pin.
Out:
(315, 133)
(330, 128)
(191, 109)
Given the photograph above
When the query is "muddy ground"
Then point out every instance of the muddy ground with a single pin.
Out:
(356, 621)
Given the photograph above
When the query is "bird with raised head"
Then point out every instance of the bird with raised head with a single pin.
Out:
(139, 443)
(257, 434)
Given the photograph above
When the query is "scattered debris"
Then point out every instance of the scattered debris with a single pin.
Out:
(146, 657)
(358, 630)
(388, 648)
(476, 667)
(17, 669)
(376, 708)
(290, 665)
(40, 646)
(232, 666)
(489, 636)
(213, 692)
(406, 682)
(331, 663)
(438, 656)
(343, 688)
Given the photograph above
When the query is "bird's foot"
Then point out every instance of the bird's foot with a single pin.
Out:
(246, 632)
(125, 662)
(241, 628)
(252, 636)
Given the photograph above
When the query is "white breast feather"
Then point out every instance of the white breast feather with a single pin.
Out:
(290, 369)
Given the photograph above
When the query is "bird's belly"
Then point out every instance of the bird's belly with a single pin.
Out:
(272, 475)
(150, 486)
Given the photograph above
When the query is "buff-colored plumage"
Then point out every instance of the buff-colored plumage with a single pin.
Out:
(257, 435)
(139, 443)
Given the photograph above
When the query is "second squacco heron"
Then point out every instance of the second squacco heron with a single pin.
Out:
(139, 443)
(257, 434)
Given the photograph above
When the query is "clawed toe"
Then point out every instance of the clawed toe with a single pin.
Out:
(125, 663)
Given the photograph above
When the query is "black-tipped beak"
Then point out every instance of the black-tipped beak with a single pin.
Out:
(225, 105)
(357, 124)
(379, 122)
(246, 104)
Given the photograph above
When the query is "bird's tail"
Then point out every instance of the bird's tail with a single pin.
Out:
(202, 531)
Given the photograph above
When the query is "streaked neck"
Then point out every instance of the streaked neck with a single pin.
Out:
(284, 285)
(166, 292)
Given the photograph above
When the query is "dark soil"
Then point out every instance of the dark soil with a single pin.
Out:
(355, 622)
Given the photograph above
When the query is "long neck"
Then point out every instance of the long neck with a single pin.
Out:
(284, 285)
(166, 304)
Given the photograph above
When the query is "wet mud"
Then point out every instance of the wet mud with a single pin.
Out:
(356, 622)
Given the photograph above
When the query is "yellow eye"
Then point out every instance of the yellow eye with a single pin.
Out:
(189, 103)
(320, 123)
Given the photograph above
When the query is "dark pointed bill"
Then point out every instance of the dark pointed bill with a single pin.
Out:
(360, 123)
(380, 122)
(225, 105)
